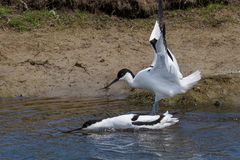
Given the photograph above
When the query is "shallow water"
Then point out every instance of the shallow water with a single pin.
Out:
(31, 129)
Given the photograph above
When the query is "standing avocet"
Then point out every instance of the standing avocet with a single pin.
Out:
(163, 77)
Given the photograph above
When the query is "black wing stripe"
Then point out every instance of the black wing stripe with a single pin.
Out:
(169, 54)
(153, 43)
(135, 117)
(140, 123)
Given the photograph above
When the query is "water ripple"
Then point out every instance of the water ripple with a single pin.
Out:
(31, 129)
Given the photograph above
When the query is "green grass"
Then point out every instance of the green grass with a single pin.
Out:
(5, 11)
(34, 19)
(209, 12)
(214, 7)
(81, 15)
(210, 16)
(29, 20)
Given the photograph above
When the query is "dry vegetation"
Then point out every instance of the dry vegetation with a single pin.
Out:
(213, 15)
(123, 8)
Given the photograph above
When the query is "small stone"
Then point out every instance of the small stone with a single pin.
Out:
(102, 60)
(218, 103)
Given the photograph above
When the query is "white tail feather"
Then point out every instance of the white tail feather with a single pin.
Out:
(192, 79)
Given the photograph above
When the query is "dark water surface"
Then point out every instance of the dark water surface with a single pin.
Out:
(31, 129)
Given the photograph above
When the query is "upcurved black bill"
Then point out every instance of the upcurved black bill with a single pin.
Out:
(114, 81)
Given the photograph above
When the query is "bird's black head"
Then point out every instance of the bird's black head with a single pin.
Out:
(120, 75)
(90, 122)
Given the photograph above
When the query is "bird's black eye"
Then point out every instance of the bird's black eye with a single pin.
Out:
(122, 74)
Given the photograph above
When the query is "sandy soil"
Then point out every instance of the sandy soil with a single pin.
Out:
(76, 62)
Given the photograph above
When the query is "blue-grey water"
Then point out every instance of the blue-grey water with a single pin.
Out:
(31, 129)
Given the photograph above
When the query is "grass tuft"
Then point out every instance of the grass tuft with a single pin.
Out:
(33, 19)
(29, 20)
(5, 11)
(214, 7)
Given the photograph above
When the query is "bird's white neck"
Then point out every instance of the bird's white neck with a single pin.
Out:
(129, 78)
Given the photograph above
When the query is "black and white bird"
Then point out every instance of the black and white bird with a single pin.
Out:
(128, 121)
(163, 78)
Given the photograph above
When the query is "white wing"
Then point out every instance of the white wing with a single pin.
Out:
(155, 35)
(164, 61)
(175, 64)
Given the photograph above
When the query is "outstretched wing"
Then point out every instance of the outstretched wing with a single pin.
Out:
(154, 37)
(164, 61)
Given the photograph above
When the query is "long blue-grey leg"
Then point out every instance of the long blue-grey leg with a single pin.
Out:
(155, 108)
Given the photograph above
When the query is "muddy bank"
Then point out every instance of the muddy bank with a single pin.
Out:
(215, 92)
(78, 60)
